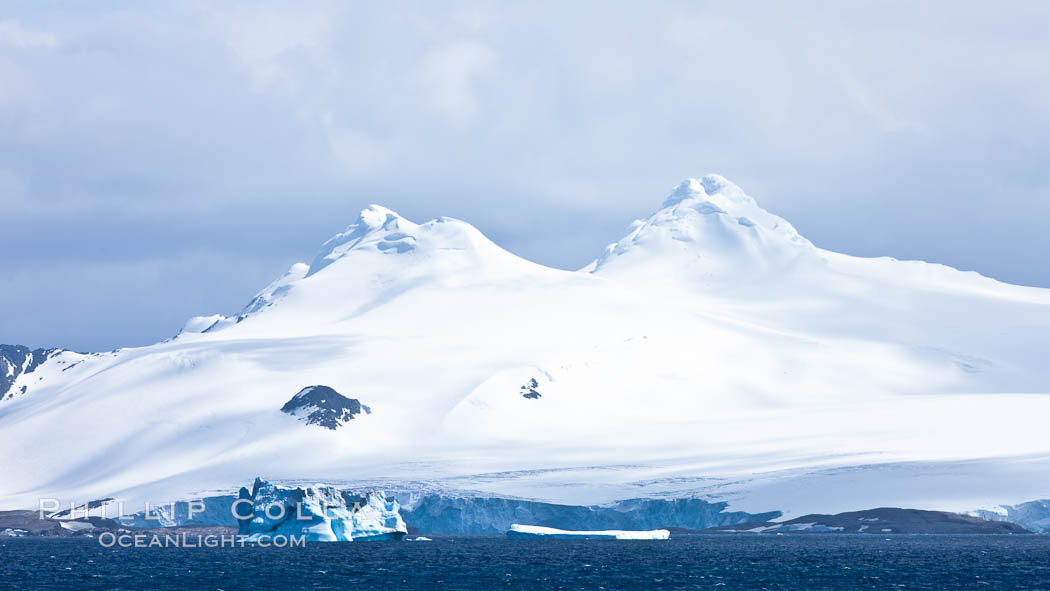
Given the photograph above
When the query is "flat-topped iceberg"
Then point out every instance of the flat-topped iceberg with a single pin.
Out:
(522, 532)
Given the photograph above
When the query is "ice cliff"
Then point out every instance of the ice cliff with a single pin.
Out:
(1033, 515)
(439, 514)
(322, 513)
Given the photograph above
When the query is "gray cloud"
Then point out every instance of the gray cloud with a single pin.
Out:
(159, 161)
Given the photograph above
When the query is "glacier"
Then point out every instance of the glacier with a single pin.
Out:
(431, 513)
(711, 353)
(446, 514)
(1031, 515)
(214, 510)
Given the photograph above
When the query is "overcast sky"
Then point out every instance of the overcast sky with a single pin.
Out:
(160, 161)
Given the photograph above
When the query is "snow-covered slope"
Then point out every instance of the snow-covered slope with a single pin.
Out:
(711, 352)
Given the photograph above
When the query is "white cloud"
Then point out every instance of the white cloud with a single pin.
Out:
(12, 191)
(448, 77)
(13, 35)
(357, 152)
(269, 39)
(879, 111)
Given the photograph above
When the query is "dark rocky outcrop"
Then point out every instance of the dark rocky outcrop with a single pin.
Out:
(31, 524)
(324, 407)
(884, 520)
(16, 360)
(84, 508)
(529, 390)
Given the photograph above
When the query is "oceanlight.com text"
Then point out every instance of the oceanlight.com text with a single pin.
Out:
(122, 540)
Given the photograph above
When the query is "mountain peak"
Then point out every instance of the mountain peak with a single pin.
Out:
(710, 186)
(440, 247)
(373, 219)
(375, 216)
(714, 195)
(709, 224)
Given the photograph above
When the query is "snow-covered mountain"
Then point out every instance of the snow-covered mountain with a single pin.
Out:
(17, 364)
(712, 352)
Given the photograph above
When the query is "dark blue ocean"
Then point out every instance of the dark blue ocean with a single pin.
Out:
(811, 561)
